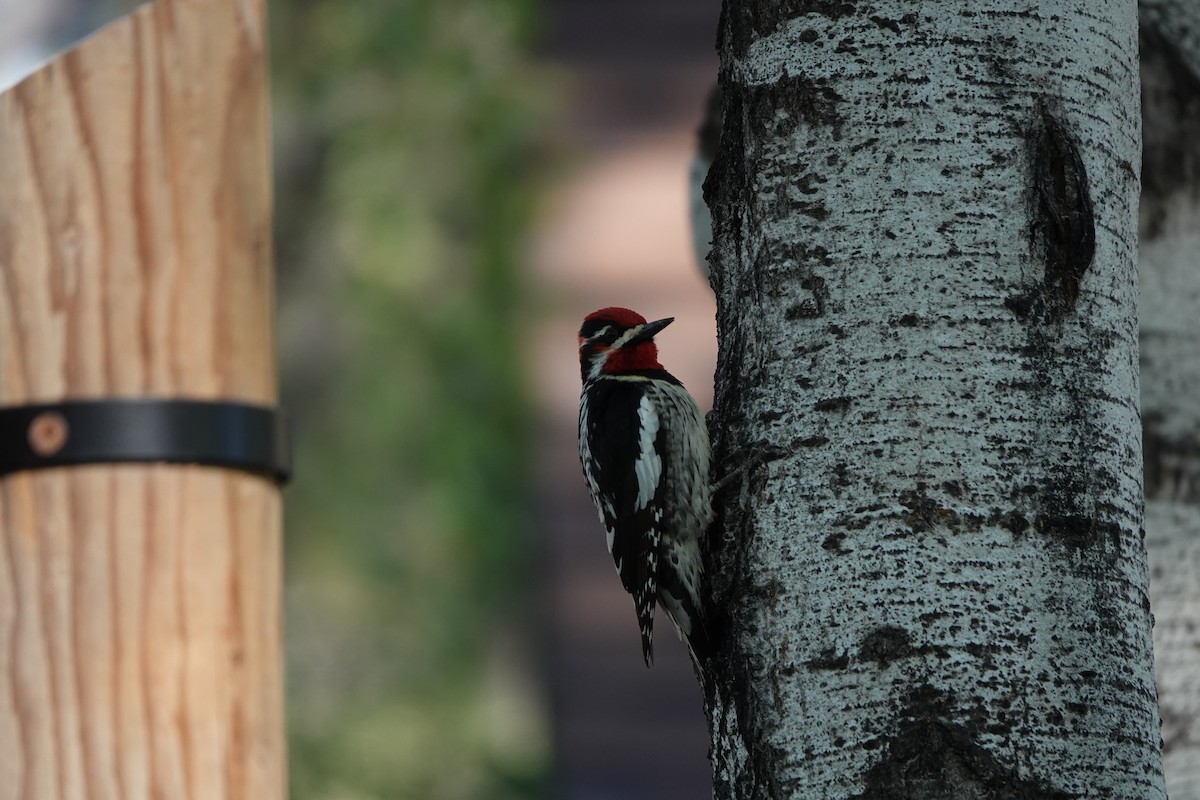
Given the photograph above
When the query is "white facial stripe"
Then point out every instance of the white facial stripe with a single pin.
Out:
(600, 334)
(648, 467)
(624, 338)
(598, 362)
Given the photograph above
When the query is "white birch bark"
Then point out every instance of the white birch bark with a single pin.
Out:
(1170, 340)
(936, 586)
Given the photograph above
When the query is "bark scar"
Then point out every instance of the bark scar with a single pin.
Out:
(885, 645)
(1064, 217)
(927, 755)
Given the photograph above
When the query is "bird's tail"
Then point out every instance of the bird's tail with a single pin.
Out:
(685, 615)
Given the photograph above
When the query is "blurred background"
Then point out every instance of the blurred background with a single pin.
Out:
(457, 183)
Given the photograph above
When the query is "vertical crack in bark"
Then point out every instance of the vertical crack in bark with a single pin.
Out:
(1063, 221)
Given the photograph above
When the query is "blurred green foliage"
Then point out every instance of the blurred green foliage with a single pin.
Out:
(405, 135)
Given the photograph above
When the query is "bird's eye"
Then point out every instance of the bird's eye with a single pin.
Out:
(606, 335)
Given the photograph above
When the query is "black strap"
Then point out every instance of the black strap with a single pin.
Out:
(218, 434)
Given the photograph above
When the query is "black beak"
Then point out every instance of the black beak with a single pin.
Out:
(649, 330)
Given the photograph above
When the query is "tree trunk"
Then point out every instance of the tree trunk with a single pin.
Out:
(933, 584)
(1170, 340)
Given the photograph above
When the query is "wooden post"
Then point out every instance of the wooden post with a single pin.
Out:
(140, 604)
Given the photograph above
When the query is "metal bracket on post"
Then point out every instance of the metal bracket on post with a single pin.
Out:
(143, 430)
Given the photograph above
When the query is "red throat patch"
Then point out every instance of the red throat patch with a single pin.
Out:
(631, 359)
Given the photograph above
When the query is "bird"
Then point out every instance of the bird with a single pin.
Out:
(645, 452)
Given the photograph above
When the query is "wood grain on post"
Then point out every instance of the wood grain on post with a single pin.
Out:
(140, 604)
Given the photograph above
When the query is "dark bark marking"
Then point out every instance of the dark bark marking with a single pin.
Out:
(840, 476)
(793, 263)
(921, 508)
(858, 519)
(885, 645)
(815, 209)
(810, 183)
(1014, 522)
(828, 659)
(832, 404)
(833, 543)
(799, 97)
(802, 310)
(767, 417)
(812, 441)
(812, 304)
(928, 758)
(820, 292)
(1081, 532)
(1063, 515)
(887, 24)
(881, 646)
(1063, 221)
(757, 19)
(768, 592)
(846, 46)
(908, 321)
(1021, 304)
(925, 513)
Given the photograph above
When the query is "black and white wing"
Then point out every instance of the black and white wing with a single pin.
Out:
(619, 425)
